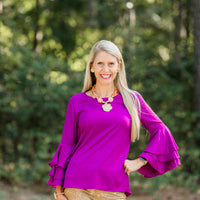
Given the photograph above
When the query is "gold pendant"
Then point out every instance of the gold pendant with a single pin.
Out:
(107, 107)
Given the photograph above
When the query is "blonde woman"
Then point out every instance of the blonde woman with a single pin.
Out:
(91, 160)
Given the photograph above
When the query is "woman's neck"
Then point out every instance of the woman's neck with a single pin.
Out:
(104, 90)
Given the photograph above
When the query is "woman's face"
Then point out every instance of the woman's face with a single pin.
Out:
(105, 68)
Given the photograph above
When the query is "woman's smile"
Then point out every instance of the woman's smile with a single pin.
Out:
(105, 76)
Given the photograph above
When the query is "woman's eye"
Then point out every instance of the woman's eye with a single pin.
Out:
(112, 63)
(99, 63)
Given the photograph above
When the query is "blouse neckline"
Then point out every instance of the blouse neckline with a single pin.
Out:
(115, 97)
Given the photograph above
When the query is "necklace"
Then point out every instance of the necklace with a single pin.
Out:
(106, 106)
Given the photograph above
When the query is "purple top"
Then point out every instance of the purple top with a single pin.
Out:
(96, 143)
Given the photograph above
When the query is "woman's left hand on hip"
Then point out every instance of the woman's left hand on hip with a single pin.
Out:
(132, 165)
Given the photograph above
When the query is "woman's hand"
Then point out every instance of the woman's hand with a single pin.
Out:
(61, 197)
(132, 165)
(59, 189)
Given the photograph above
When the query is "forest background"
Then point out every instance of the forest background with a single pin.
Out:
(44, 47)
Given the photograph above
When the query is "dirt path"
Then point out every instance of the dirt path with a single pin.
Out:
(45, 193)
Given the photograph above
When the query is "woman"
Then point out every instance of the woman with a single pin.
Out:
(91, 160)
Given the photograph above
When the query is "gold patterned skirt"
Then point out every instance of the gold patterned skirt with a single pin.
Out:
(91, 194)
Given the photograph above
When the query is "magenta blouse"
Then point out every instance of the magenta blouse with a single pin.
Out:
(96, 143)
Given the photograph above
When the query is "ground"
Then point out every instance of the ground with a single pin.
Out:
(35, 192)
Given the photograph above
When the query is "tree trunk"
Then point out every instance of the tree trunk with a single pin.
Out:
(196, 10)
(1, 7)
(92, 13)
(35, 42)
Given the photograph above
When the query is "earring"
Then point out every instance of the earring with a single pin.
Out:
(118, 70)
(92, 70)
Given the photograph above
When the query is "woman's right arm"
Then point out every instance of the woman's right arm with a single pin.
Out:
(59, 193)
(61, 158)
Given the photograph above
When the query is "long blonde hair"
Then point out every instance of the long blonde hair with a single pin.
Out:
(129, 97)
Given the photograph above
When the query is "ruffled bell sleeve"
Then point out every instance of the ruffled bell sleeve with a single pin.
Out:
(161, 152)
(61, 158)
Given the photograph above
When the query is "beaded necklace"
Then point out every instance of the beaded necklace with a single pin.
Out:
(106, 106)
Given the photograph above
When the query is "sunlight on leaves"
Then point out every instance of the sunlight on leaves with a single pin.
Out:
(6, 33)
(13, 104)
(151, 1)
(164, 53)
(57, 77)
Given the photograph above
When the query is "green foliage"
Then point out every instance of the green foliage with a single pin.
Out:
(44, 50)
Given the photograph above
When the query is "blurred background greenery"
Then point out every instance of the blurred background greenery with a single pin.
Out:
(44, 49)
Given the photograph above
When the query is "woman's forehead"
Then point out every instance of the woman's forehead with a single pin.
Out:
(102, 55)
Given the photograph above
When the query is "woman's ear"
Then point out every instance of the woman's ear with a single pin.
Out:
(91, 67)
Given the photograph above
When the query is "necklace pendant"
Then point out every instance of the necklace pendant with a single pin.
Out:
(107, 107)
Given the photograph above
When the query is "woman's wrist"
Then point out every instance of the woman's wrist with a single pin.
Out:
(58, 192)
(143, 160)
(59, 189)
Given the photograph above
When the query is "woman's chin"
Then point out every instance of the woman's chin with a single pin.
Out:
(105, 82)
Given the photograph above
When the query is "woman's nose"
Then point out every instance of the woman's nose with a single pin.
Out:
(105, 68)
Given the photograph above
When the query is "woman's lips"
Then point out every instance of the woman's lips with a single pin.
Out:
(105, 76)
